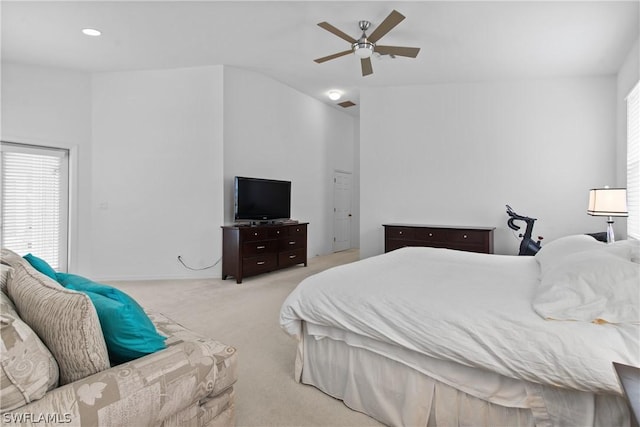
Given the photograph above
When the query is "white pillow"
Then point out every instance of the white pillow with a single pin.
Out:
(629, 249)
(591, 286)
(553, 253)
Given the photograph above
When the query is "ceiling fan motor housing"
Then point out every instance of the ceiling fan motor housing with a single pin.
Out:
(364, 25)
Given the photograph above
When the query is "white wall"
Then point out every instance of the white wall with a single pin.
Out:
(273, 131)
(455, 154)
(52, 107)
(153, 163)
(146, 121)
(157, 173)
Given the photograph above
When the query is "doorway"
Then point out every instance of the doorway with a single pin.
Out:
(341, 210)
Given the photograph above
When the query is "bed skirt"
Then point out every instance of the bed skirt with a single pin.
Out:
(398, 395)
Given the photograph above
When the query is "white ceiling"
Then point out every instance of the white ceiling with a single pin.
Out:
(459, 41)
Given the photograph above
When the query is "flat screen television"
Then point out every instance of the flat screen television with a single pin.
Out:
(258, 199)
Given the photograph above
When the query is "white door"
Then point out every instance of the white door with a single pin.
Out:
(341, 211)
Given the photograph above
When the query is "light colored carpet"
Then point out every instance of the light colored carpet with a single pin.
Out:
(246, 317)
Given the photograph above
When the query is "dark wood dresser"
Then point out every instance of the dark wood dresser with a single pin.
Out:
(251, 250)
(464, 238)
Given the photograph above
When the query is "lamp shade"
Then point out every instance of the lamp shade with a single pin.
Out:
(608, 202)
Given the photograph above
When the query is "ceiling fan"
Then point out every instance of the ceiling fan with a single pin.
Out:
(366, 46)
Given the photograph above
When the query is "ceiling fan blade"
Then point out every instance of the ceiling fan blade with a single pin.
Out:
(385, 26)
(411, 52)
(336, 31)
(367, 68)
(334, 56)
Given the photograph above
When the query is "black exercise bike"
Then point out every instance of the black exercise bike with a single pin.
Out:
(528, 246)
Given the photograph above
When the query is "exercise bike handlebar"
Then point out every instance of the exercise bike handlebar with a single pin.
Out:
(527, 246)
(514, 215)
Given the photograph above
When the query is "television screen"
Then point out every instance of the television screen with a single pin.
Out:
(262, 199)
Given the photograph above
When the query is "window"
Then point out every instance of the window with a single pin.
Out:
(35, 202)
(633, 162)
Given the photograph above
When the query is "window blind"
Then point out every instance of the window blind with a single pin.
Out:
(633, 162)
(35, 202)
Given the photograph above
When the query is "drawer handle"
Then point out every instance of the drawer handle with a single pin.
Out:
(464, 236)
(292, 243)
(292, 256)
(297, 229)
(261, 262)
(399, 232)
(260, 247)
(255, 234)
(430, 234)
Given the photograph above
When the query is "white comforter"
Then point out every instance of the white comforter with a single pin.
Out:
(473, 309)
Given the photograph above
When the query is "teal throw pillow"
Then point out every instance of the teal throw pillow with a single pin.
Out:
(127, 330)
(41, 265)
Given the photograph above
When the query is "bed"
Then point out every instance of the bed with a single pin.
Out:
(430, 336)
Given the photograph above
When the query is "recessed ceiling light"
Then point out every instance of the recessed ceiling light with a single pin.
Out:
(334, 95)
(91, 32)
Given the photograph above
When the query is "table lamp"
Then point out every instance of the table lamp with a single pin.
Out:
(608, 202)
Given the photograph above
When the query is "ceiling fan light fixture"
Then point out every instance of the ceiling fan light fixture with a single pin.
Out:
(363, 49)
(334, 95)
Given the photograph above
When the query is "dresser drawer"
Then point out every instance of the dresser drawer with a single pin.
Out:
(292, 242)
(470, 237)
(431, 235)
(298, 230)
(255, 233)
(402, 233)
(259, 247)
(259, 264)
(287, 258)
(277, 232)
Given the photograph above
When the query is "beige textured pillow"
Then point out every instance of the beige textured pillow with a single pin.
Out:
(11, 258)
(66, 321)
(27, 368)
(5, 275)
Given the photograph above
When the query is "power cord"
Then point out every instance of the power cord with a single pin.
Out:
(198, 269)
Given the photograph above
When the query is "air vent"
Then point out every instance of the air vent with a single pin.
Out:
(346, 104)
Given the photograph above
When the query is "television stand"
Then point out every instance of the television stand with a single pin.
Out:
(261, 248)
